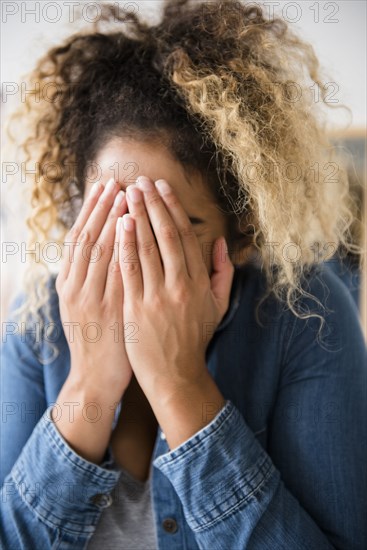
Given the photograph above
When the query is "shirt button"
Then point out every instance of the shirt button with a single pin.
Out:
(102, 500)
(170, 525)
(163, 436)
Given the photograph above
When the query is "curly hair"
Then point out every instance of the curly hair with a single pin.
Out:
(227, 89)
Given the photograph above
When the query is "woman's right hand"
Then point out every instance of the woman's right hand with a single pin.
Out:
(90, 291)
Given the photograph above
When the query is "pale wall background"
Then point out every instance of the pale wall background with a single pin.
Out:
(335, 29)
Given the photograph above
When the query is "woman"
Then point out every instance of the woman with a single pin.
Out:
(194, 377)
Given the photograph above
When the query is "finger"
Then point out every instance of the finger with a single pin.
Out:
(129, 259)
(97, 273)
(222, 276)
(72, 236)
(165, 230)
(193, 257)
(86, 251)
(114, 290)
(147, 247)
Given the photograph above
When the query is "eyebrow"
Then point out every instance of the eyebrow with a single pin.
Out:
(196, 221)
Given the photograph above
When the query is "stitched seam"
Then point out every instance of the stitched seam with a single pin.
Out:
(228, 512)
(59, 445)
(246, 482)
(41, 513)
(211, 430)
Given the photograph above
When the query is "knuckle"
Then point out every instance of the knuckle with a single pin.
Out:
(156, 302)
(148, 248)
(168, 231)
(129, 251)
(130, 267)
(92, 252)
(181, 292)
(187, 231)
(114, 269)
(153, 199)
(85, 236)
(171, 200)
(68, 295)
(139, 213)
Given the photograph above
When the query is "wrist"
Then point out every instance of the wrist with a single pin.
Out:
(184, 409)
(94, 389)
(167, 382)
(84, 418)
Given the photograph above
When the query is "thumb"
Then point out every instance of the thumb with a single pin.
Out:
(222, 275)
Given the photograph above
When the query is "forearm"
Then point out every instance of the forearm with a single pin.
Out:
(184, 409)
(84, 417)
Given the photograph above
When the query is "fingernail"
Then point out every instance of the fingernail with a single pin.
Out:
(133, 193)
(144, 183)
(162, 186)
(119, 198)
(109, 185)
(128, 222)
(94, 189)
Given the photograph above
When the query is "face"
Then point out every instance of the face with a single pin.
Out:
(127, 159)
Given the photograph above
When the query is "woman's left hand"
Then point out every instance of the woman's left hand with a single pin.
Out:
(169, 295)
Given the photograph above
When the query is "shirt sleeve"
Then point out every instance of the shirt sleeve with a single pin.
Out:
(307, 489)
(49, 494)
(53, 494)
(22, 392)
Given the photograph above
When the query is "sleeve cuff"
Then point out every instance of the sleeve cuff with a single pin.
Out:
(219, 469)
(62, 488)
(195, 439)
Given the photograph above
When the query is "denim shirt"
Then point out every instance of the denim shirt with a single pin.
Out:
(281, 466)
